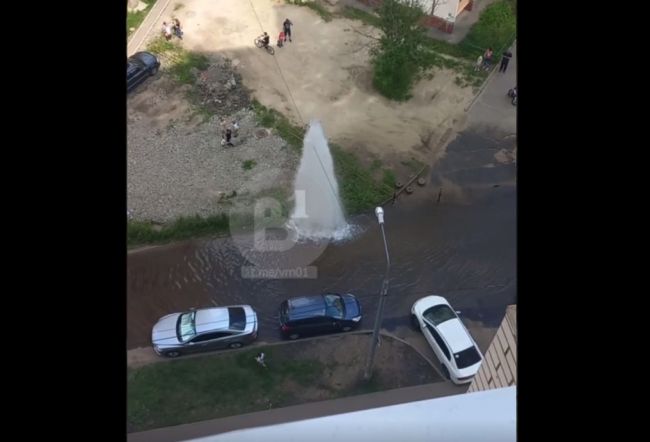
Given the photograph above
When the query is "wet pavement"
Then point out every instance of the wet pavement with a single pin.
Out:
(455, 237)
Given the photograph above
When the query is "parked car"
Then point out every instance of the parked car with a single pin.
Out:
(448, 337)
(139, 67)
(204, 329)
(326, 313)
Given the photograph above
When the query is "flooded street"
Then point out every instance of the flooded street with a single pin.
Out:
(455, 237)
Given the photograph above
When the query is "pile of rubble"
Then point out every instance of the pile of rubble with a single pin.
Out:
(221, 90)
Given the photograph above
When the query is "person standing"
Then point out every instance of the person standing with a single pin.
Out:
(228, 137)
(287, 28)
(177, 28)
(507, 55)
(487, 58)
(167, 31)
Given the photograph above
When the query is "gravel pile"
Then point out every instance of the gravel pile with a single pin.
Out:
(221, 89)
(177, 165)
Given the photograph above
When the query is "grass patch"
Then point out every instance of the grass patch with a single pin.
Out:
(134, 19)
(358, 14)
(273, 119)
(189, 390)
(142, 232)
(248, 164)
(181, 63)
(186, 63)
(360, 189)
(315, 6)
(496, 28)
(242, 216)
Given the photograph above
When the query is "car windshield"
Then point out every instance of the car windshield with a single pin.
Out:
(186, 328)
(334, 306)
(467, 357)
(439, 314)
(237, 317)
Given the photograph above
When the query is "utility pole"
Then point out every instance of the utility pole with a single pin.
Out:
(367, 373)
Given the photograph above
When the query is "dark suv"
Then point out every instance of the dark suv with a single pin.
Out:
(139, 67)
(311, 315)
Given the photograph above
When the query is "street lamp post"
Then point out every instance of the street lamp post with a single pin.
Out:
(382, 297)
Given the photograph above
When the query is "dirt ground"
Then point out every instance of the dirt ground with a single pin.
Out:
(396, 364)
(324, 74)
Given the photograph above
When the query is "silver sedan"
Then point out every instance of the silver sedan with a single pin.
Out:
(204, 329)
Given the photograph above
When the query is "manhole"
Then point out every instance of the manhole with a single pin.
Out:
(398, 184)
(409, 189)
(422, 181)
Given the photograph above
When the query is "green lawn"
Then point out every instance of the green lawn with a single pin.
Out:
(134, 19)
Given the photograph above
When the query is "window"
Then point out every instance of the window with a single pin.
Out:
(334, 306)
(440, 342)
(237, 317)
(439, 314)
(185, 328)
(467, 357)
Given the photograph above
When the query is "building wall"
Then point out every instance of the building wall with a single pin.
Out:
(445, 9)
(444, 15)
(499, 368)
(485, 416)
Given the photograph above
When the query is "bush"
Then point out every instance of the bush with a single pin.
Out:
(496, 28)
(394, 75)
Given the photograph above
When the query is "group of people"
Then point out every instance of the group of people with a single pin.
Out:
(485, 61)
(285, 33)
(282, 38)
(231, 132)
(173, 28)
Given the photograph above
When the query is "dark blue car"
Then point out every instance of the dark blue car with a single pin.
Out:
(312, 315)
(139, 67)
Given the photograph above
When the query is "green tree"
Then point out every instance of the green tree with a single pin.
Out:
(398, 56)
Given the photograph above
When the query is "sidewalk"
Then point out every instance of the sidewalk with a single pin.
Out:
(492, 108)
(298, 412)
(138, 37)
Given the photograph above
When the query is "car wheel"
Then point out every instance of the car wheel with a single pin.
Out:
(414, 323)
(235, 345)
(293, 336)
(445, 372)
(154, 71)
(172, 354)
(346, 328)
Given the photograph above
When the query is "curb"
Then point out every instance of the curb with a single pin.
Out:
(257, 344)
(132, 47)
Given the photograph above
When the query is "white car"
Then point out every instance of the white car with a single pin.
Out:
(448, 337)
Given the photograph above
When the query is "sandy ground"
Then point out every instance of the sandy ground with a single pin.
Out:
(324, 74)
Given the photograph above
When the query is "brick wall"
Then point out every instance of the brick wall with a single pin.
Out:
(499, 367)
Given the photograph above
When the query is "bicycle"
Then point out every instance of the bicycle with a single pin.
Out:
(259, 42)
